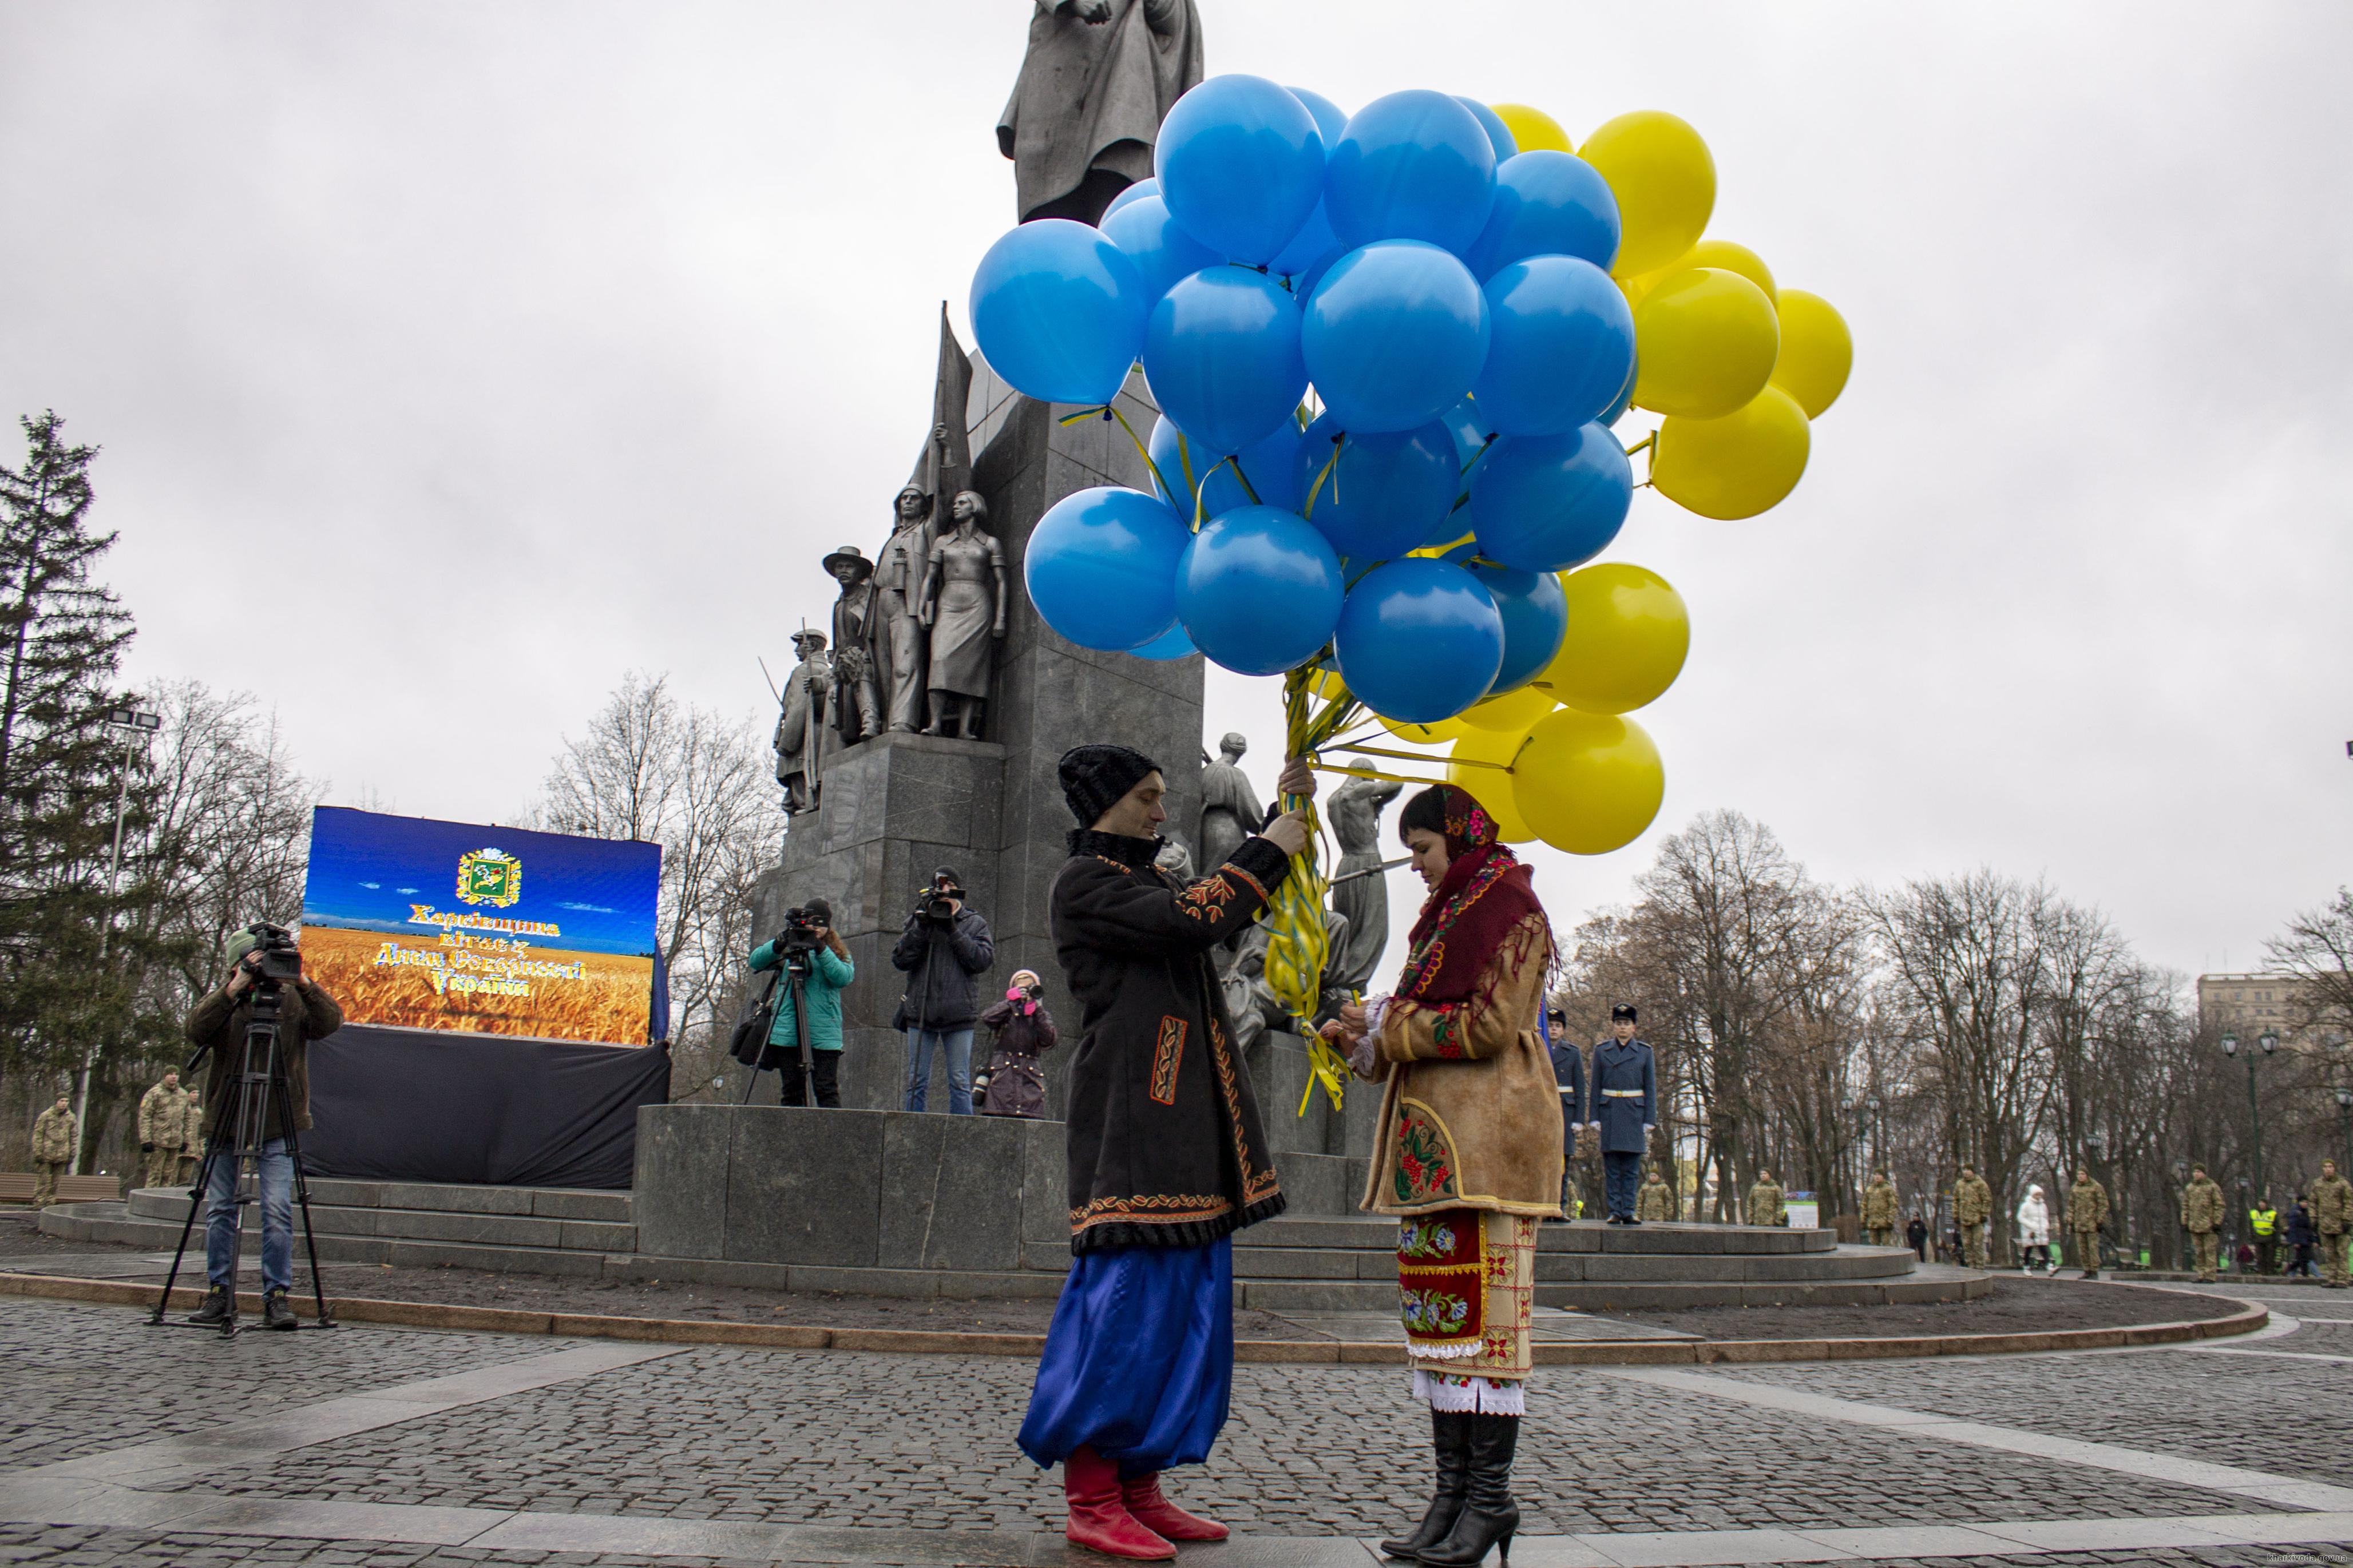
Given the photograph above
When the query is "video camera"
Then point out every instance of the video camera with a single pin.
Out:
(274, 960)
(804, 929)
(938, 905)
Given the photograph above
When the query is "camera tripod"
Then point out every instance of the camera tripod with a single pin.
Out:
(260, 1086)
(793, 968)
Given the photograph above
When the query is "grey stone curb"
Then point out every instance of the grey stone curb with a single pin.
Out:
(907, 1341)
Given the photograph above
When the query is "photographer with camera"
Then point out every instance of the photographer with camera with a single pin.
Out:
(943, 951)
(817, 967)
(262, 955)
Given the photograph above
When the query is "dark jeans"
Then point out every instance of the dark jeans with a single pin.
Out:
(1621, 1178)
(824, 1076)
(2266, 1255)
(958, 1044)
(276, 1181)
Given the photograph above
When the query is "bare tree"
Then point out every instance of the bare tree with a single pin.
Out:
(653, 769)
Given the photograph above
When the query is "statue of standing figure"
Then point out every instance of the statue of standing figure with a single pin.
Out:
(964, 613)
(1230, 811)
(899, 642)
(801, 729)
(857, 711)
(1098, 78)
(1355, 812)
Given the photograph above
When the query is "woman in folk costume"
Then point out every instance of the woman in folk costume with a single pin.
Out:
(1469, 1157)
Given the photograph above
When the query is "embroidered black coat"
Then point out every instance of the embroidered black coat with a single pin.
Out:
(1165, 1146)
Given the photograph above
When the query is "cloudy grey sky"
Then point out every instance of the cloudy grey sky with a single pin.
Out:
(483, 353)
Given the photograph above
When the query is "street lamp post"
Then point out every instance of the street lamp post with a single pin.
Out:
(2270, 1043)
(2180, 1231)
(2094, 1147)
(135, 726)
(2345, 1115)
(1878, 1133)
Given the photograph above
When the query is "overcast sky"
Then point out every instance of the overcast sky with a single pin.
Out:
(451, 361)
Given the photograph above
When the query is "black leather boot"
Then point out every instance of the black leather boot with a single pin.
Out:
(1489, 1518)
(275, 1312)
(217, 1308)
(1450, 1433)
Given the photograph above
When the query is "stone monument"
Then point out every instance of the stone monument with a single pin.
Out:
(1097, 81)
(801, 737)
(1360, 891)
(1230, 811)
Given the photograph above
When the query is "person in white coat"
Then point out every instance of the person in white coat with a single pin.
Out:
(2035, 1232)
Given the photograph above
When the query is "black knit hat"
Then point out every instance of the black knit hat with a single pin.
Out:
(1622, 1013)
(1095, 777)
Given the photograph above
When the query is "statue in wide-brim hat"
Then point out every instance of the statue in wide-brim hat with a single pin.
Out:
(857, 708)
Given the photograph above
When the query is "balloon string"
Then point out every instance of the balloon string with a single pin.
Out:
(1329, 471)
(1111, 411)
(1424, 757)
(1201, 496)
(1373, 773)
(1248, 488)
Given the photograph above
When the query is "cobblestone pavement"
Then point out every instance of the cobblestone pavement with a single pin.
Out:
(905, 1447)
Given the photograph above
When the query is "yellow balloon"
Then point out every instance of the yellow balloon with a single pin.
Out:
(1816, 351)
(1664, 180)
(1512, 711)
(1532, 128)
(1706, 341)
(1628, 635)
(1427, 735)
(1589, 782)
(1491, 786)
(1731, 257)
(1327, 684)
(1738, 465)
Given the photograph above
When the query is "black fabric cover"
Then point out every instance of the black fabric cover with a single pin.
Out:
(419, 1105)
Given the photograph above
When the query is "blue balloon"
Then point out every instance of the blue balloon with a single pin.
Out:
(1240, 165)
(1547, 203)
(1222, 355)
(1314, 245)
(1544, 503)
(1499, 135)
(1561, 347)
(1059, 313)
(1330, 121)
(1171, 644)
(1466, 422)
(1163, 254)
(1419, 640)
(1412, 165)
(1269, 466)
(1384, 493)
(1394, 335)
(1146, 187)
(1259, 590)
(1625, 398)
(1535, 617)
(1102, 567)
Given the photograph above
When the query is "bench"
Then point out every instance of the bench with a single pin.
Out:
(16, 1187)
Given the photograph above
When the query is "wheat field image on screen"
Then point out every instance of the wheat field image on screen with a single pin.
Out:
(607, 1004)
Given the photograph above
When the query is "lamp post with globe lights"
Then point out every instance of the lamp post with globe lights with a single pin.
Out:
(2269, 1043)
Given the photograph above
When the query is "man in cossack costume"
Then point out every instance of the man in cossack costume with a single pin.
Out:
(1168, 1157)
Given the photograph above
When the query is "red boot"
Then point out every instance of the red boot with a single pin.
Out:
(1098, 1520)
(1149, 1509)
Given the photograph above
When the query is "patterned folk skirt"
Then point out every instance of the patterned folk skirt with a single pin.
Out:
(1466, 1285)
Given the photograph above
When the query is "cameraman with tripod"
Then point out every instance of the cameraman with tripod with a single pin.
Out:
(817, 968)
(219, 1025)
(943, 951)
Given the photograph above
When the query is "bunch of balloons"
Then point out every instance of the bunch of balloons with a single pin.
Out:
(1390, 349)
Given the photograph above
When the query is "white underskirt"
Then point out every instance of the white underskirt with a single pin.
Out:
(1484, 1395)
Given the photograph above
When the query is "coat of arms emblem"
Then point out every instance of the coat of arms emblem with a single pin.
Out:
(490, 876)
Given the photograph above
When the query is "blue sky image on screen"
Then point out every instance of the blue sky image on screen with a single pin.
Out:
(367, 868)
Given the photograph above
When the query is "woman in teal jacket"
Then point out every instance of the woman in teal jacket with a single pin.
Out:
(829, 971)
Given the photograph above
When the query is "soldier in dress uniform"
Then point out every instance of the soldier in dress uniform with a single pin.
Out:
(1764, 1206)
(1568, 1072)
(1972, 1206)
(1879, 1207)
(1625, 1109)
(1656, 1201)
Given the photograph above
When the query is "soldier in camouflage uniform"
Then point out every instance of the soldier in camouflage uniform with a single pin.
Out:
(1765, 1201)
(162, 1129)
(1972, 1206)
(192, 1152)
(2201, 1217)
(56, 1133)
(1880, 1208)
(2087, 1213)
(2332, 1216)
(1654, 1202)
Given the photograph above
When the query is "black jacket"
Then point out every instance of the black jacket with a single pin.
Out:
(1165, 1146)
(305, 1013)
(943, 965)
(2301, 1231)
